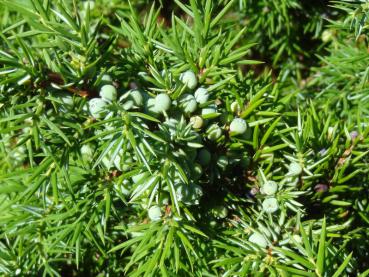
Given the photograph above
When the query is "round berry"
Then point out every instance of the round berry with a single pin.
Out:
(201, 95)
(214, 132)
(259, 240)
(108, 93)
(150, 106)
(154, 213)
(188, 103)
(235, 107)
(270, 205)
(204, 157)
(269, 188)
(106, 78)
(220, 211)
(131, 99)
(197, 122)
(162, 102)
(209, 110)
(222, 162)
(97, 107)
(238, 126)
(189, 79)
(294, 169)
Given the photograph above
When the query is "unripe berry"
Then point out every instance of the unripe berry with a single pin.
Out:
(97, 107)
(204, 157)
(154, 213)
(131, 99)
(270, 205)
(189, 79)
(214, 132)
(235, 107)
(238, 126)
(220, 211)
(106, 78)
(162, 102)
(150, 105)
(294, 169)
(259, 240)
(222, 162)
(188, 103)
(201, 95)
(108, 93)
(209, 110)
(197, 122)
(269, 188)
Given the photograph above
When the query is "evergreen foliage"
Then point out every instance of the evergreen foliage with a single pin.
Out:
(184, 138)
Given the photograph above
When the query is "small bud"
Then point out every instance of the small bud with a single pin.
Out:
(354, 135)
(330, 132)
(321, 188)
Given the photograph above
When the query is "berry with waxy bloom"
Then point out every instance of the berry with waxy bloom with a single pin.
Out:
(238, 126)
(209, 110)
(269, 188)
(235, 107)
(214, 132)
(162, 102)
(154, 213)
(97, 107)
(201, 95)
(188, 103)
(108, 93)
(294, 169)
(270, 205)
(189, 79)
(132, 99)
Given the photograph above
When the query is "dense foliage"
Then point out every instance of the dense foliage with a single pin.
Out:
(184, 138)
